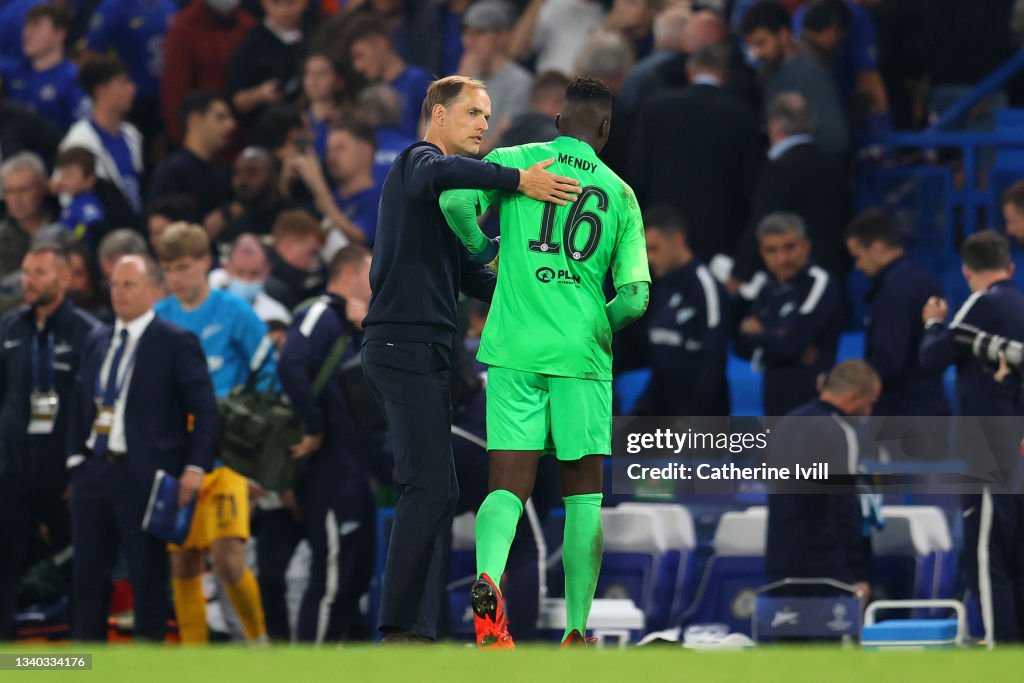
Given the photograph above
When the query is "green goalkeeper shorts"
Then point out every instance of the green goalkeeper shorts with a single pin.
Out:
(527, 411)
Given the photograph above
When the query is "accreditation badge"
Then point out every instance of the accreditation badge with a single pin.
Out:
(104, 420)
(43, 407)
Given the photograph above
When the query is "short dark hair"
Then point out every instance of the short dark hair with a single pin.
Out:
(366, 26)
(271, 128)
(766, 14)
(445, 91)
(99, 71)
(986, 250)
(197, 102)
(587, 90)
(1015, 195)
(358, 128)
(347, 256)
(548, 82)
(665, 219)
(824, 14)
(58, 16)
(59, 251)
(178, 206)
(710, 58)
(874, 225)
(80, 157)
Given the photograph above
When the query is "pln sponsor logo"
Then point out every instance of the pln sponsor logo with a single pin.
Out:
(560, 277)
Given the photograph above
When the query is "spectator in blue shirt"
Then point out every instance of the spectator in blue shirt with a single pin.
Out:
(12, 20)
(323, 84)
(136, 30)
(381, 107)
(116, 143)
(374, 58)
(352, 205)
(844, 33)
(45, 81)
(76, 177)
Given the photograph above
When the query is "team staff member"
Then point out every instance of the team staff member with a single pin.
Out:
(899, 289)
(792, 329)
(39, 353)
(333, 492)
(687, 325)
(234, 339)
(822, 535)
(140, 385)
(418, 270)
(993, 524)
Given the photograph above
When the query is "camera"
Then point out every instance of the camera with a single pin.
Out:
(987, 346)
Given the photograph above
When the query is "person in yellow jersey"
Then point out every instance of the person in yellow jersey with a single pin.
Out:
(232, 336)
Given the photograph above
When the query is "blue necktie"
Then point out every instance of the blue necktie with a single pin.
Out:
(110, 391)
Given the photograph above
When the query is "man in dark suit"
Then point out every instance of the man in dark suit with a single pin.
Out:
(39, 353)
(799, 178)
(698, 149)
(140, 385)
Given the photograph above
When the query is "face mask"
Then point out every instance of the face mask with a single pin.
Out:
(223, 6)
(245, 290)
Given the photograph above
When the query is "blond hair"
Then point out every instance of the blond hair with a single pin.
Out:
(445, 91)
(182, 240)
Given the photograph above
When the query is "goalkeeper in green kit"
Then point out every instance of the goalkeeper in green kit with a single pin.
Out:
(548, 342)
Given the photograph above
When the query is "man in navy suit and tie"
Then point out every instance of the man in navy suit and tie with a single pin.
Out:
(140, 385)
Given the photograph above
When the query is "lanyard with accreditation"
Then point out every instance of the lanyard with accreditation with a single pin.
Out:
(43, 402)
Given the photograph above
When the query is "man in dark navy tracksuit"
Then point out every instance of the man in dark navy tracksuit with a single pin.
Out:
(39, 349)
(418, 270)
(333, 492)
(792, 329)
(686, 326)
(898, 291)
(993, 557)
(814, 535)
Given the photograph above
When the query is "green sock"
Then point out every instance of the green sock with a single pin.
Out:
(496, 523)
(582, 548)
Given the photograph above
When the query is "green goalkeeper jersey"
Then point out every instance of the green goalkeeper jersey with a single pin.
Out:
(548, 314)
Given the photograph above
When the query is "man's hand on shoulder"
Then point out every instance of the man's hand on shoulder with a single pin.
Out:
(537, 183)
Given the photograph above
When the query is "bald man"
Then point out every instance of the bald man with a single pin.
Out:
(817, 535)
(143, 402)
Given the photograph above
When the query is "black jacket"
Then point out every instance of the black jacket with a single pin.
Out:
(419, 266)
(812, 184)
(698, 149)
(37, 462)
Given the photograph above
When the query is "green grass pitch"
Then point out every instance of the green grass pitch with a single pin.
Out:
(454, 664)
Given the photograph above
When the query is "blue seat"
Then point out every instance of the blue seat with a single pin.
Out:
(913, 556)
(635, 546)
(675, 574)
(629, 386)
(744, 387)
(735, 571)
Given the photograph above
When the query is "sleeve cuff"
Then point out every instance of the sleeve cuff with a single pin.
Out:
(508, 178)
(489, 253)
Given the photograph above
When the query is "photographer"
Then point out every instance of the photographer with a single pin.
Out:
(993, 524)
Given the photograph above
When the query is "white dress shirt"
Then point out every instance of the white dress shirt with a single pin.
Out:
(117, 440)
